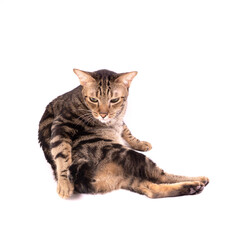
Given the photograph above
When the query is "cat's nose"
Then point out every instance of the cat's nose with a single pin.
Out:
(103, 115)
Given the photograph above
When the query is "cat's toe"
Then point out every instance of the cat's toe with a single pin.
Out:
(196, 190)
(203, 180)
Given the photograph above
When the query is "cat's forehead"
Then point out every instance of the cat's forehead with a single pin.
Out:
(106, 88)
(102, 75)
(105, 84)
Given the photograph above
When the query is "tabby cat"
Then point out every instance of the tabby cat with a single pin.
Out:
(90, 148)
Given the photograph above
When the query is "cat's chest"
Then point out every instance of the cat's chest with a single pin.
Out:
(113, 133)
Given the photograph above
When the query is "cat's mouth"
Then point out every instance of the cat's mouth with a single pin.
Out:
(104, 120)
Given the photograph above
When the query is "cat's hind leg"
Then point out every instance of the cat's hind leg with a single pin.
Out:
(171, 178)
(111, 176)
(141, 166)
(153, 190)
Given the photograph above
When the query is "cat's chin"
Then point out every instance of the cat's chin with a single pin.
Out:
(106, 121)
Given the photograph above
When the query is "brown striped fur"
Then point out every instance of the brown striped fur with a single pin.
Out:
(90, 148)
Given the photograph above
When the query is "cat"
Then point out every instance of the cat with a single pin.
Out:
(91, 149)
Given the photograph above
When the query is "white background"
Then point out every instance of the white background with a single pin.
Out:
(178, 102)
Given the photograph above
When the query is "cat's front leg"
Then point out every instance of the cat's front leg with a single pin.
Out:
(134, 142)
(61, 150)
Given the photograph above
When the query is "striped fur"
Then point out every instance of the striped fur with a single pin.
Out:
(90, 148)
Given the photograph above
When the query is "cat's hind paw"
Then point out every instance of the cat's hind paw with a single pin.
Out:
(192, 188)
(204, 180)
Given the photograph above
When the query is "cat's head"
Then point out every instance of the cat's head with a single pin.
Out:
(105, 92)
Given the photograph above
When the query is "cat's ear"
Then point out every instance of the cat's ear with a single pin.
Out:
(84, 77)
(126, 78)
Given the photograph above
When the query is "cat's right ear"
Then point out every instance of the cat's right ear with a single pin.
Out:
(84, 77)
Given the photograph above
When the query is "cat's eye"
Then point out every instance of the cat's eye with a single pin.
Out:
(114, 100)
(94, 100)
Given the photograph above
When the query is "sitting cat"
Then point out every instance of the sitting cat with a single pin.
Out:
(90, 148)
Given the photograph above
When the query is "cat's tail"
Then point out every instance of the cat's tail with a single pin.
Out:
(44, 134)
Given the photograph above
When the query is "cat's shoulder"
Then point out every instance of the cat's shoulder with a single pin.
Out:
(62, 101)
(76, 92)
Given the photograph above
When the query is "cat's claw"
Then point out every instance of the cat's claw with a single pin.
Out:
(65, 188)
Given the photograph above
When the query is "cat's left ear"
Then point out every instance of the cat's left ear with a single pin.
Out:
(84, 77)
(126, 78)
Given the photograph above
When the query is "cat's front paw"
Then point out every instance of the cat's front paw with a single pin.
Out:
(65, 188)
(144, 146)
